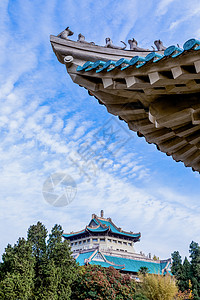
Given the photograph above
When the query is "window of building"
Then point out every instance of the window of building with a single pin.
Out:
(88, 240)
(109, 240)
(84, 241)
(80, 242)
(129, 244)
(95, 240)
(125, 243)
(114, 241)
(102, 240)
(75, 243)
(119, 242)
(72, 244)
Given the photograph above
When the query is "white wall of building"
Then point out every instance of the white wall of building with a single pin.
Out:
(104, 243)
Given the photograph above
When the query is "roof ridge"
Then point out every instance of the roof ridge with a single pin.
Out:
(74, 232)
(110, 262)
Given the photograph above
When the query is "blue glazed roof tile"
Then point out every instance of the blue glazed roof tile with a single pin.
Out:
(122, 263)
(134, 265)
(82, 256)
(103, 225)
(152, 57)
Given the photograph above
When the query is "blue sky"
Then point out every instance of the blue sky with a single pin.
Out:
(45, 121)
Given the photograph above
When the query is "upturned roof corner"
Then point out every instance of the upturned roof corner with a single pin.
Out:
(157, 93)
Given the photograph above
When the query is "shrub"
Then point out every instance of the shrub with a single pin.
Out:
(158, 287)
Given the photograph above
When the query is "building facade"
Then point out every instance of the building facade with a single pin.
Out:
(105, 244)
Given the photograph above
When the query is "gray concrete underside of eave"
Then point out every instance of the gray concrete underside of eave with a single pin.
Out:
(160, 101)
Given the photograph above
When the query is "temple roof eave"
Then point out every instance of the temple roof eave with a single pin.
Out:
(171, 81)
(104, 226)
(81, 51)
(134, 238)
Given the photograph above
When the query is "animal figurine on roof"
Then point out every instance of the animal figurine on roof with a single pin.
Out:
(65, 33)
(134, 45)
(159, 45)
(81, 39)
(109, 44)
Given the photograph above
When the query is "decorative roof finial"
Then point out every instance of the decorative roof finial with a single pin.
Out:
(102, 213)
(81, 39)
(65, 33)
(159, 45)
(109, 44)
(134, 45)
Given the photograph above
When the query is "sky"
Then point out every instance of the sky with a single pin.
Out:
(50, 127)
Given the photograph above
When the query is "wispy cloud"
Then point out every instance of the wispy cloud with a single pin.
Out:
(45, 120)
(162, 7)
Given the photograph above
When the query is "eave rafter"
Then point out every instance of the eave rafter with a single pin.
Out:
(159, 97)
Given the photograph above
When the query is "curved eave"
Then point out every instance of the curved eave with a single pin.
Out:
(160, 100)
(98, 230)
(82, 51)
(69, 235)
(133, 237)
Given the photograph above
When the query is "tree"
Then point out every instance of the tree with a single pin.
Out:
(17, 271)
(37, 268)
(195, 269)
(59, 253)
(176, 263)
(155, 257)
(157, 287)
(177, 269)
(96, 282)
(37, 235)
(139, 296)
(143, 270)
(186, 276)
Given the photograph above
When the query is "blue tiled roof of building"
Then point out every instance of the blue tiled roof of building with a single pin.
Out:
(104, 264)
(103, 225)
(134, 265)
(99, 229)
(137, 61)
(82, 256)
(115, 230)
(122, 263)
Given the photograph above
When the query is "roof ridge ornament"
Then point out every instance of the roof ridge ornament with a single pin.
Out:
(109, 44)
(65, 33)
(134, 45)
(81, 39)
(159, 45)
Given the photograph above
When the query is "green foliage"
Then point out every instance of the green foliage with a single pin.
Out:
(139, 296)
(186, 295)
(143, 271)
(176, 263)
(158, 287)
(155, 257)
(36, 268)
(37, 235)
(188, 273)
(95, 282)
(17, 271)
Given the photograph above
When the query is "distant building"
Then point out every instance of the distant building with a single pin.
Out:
(103, 243)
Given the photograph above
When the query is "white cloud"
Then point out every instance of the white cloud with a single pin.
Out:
(44, 119)
(163, 6)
